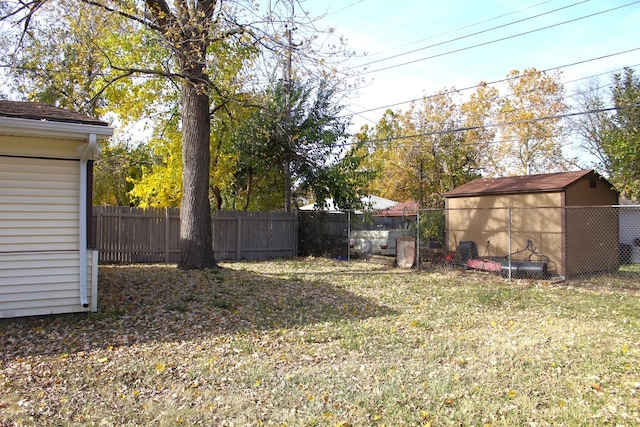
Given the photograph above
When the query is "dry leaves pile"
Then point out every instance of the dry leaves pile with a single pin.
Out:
(321, 342)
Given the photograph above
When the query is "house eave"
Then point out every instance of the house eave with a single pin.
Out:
(12, 126)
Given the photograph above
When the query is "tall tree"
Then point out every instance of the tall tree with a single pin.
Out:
(531, 130)
(178, 43)
(479, 113)
(421, 154)
(186, 30)
(297, 126)
(612, 135)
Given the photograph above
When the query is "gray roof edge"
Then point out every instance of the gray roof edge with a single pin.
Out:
(46, 128)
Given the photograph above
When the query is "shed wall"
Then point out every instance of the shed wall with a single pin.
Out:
(39, 229)
(592, 240)
(590, 192)
(484, 220)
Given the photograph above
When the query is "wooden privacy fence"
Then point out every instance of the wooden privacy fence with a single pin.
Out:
(134, 235)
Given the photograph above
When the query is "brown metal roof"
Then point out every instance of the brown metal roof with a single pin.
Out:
(519, 184)
(40, 111)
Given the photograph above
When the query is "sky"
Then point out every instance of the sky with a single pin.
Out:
(459, 43)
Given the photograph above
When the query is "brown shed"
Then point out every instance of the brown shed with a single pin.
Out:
(550, 210)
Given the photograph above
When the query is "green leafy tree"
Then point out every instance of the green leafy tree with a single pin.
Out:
(623, 146)
(611, 135)
(120, 164)
(297, 128)
(143, 58)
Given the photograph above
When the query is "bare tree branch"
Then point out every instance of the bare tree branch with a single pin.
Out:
(142, 20)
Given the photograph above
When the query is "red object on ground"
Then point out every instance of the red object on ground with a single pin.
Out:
(450, 257)
(480, 264)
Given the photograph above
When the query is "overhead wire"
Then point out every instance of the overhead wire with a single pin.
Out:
(493, 82)
(461, 28)
(468, 35)
(493, 125)
(493, 41)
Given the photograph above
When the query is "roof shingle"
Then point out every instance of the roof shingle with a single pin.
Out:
(519, 184)
(40, 111)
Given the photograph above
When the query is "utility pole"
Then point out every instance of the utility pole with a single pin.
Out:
(287, 158)
(420, 195)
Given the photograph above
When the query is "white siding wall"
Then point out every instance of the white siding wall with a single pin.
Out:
(39, 237)
(44, 283)
(629, 224)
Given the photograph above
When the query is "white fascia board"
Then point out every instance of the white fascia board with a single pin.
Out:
(50, 129)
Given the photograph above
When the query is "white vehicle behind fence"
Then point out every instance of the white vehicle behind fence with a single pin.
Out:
(375, 242)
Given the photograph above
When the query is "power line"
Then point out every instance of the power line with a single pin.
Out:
(493, 41)
(462, 28)
(467, 35)
(346, 7)
(492, 82)
(493, 125)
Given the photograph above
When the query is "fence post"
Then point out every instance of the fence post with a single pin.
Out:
(509, 234)
(167, 240)
(348, 236)
(238, 237)
(295, 218)
(97, 241)
(417, 253)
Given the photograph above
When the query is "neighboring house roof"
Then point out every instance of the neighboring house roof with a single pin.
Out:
(44, 112)
(403, 209)
(370, 202)
(540, 183)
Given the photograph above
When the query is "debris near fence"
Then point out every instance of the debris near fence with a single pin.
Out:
(386, 261)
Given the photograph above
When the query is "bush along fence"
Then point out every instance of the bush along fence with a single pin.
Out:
(126, 235)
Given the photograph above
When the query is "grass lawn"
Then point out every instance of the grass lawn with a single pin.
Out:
(319, 342)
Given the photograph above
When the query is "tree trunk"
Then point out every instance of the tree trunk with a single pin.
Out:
(196, 241)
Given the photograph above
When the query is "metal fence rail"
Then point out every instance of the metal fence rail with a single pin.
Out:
(133, 235)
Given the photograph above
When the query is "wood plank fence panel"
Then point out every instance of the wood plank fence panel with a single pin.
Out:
(134, 235)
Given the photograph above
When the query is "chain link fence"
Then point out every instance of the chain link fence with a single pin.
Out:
(515, 243)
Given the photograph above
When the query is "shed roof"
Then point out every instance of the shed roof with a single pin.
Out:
(539, 183)
(44, 112)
